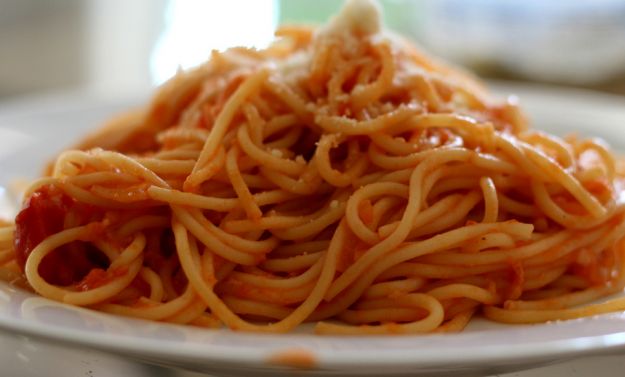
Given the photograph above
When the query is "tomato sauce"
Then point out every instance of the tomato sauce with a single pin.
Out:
(43, 215)
(98, 277)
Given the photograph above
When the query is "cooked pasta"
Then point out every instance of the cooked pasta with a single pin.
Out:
(341, 176)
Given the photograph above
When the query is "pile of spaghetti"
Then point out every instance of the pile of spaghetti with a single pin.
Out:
(339, 176)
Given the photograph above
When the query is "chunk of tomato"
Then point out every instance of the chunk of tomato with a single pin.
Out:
(43, 215)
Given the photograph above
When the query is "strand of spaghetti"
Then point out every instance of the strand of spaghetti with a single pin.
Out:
(289, 296)
(564, 151)
(460, 305)
(399, 176)
(264, 107)
(130, 195)
(130, 166)
(517, 207)
(490, 241)
(363, 95)
(440, 186)
(331, 175)
(232, 240)
(471, 130)
(290, 98)
(255, 123)
(269, 159)
(415, 300)
(69, 162)
(541, 277)
(319, 66)
(208, 262)
(464, 291)
(435, 244)
(154, 282)
(183, 138)
(603, 150)
(386, 315)
(563, 301)
(381, 303)
(441, 223)
(570, 183)
(254, 182)
(302, 231)
(395, 287)
(432, 183)
(245, 90)
(394, 145)
(383, 210)
(109, 249)
(399, 234)
(250, 307)
(166, 271)
(243, 192)
(207, 321)
(213, 203)
(430, 214)
(513, 150)
(300, 248)
(292, 264)
(499, 256)
(177, 154)
(283, 283)
(6, 255)
(425, 89)
(491, 203)
(195, 200)
(466, 170)
(336, 84)
(546, 204)
(352, 215)
(209, 240)
(277, 124)
(234, 322)
(265, 223)
(287, 141)
(206, 172)
(162, 167)
(85, 196)
(95, 178)
(277, 221)
(193, 311)
(347, 126)
(130, 259)
(429, 271)
(142, 222)
(534, 316)
(588, 240)
(457, 323)
(596, 240)
(305, 185)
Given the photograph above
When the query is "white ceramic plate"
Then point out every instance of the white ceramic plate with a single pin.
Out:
(33, 131)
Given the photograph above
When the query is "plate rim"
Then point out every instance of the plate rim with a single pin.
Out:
(165, 349)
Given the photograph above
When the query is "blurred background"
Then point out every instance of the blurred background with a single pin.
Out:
(119, 47)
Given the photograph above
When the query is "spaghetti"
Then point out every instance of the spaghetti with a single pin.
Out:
(340, 176)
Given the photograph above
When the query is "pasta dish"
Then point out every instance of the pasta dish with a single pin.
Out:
(340, 176)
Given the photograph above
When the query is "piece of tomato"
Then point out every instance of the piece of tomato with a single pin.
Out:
(43, 215)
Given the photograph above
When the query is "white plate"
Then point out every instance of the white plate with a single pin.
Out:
(32, 131)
